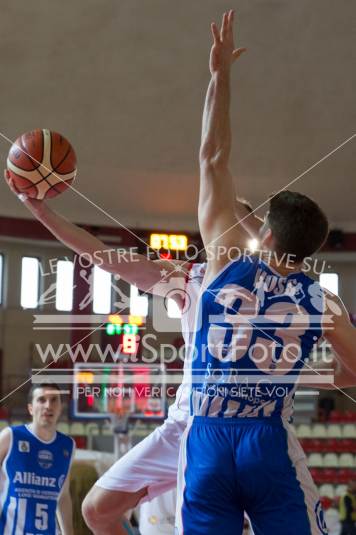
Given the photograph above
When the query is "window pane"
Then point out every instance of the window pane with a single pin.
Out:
(138, 303)
(101, 291)
(330, 281)
(173, 309)
(1, 277)
(29, 282)
(64, 287)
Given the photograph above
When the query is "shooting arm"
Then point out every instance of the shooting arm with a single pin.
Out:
(134, 268)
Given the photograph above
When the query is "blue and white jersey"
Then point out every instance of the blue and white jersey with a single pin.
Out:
(254, 331)
(31, 479)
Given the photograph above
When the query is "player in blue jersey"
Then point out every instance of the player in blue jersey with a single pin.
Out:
(258, 318)
(35, 461)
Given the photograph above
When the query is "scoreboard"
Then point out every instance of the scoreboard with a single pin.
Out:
(131, 390)
(123, 333)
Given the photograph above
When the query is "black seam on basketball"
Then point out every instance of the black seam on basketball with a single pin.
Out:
(54, 169)
(53, 186)
(23, 150)
(44, 178)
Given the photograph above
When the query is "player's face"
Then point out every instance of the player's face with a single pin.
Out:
(46, 407)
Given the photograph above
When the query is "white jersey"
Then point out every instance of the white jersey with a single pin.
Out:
(180, 408)
(153, 463)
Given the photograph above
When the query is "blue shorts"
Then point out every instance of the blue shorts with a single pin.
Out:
(256, 466)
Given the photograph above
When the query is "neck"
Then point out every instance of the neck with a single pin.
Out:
(44, 433)
(282, 265)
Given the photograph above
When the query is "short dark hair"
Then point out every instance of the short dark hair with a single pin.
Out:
(35, 386)
(298, 224)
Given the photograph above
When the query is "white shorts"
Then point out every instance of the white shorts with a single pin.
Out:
(157, 517)
(152, 463)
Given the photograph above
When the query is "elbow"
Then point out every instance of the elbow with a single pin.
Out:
(212, 155)
(217, 162)
(206, 153)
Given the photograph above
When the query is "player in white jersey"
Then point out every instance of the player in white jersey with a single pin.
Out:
(35, 460)
(151, 467)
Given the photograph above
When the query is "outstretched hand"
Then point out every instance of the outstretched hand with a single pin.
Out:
(223, 52)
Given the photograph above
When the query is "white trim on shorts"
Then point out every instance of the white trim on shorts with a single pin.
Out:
(311, 495)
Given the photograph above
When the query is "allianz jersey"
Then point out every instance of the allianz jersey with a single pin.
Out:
(254, 331)
(180, 409)
(31, 480)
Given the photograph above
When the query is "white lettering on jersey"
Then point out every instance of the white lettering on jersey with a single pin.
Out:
(30, 478)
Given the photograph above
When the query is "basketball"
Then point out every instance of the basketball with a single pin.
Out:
(41, 164)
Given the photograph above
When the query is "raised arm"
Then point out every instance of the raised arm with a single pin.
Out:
(138, 269)
(216, 211)
(245, 217)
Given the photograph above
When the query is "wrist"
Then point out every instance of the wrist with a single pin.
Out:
(223, 73)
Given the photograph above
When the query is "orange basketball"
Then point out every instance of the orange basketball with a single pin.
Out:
(42, 164)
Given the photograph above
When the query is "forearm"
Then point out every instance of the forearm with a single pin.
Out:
(250, 222)
(216, 130)
(75, 238)
(65, 515)
(136, 269)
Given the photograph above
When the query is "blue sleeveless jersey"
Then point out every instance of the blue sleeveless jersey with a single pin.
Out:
(255, 329)
(31, 479)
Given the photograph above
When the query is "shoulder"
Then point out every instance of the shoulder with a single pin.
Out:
(6, 434)
(67, 440)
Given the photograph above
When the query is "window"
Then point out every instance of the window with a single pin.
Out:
(138, 303)
(330, 281)
(30, 272)
(64, 286)
(101, 291)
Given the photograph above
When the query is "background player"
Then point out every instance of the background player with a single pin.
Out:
(35, 460)
(228, 465)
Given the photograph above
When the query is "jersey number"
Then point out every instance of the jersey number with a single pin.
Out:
(41, 520)
(293, 320)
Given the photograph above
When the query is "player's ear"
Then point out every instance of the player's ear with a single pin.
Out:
(29, 408)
